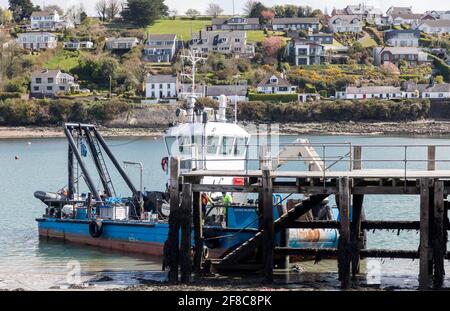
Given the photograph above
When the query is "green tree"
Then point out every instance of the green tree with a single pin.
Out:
(257, 9)
(21, 9)
(144, 12)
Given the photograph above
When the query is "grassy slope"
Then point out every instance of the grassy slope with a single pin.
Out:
(63, 60)
(182, 28)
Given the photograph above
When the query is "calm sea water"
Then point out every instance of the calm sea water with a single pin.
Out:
(26, 262)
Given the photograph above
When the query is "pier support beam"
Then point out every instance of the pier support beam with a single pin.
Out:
(357, 157)
(431, 163)
(424, 248)
(171, 253)
(186, 233)
(439, 239)
(356, 235)
(268, 226)
(344, 233)
(198, 230)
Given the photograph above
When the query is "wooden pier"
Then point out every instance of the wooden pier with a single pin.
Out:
(348, 186)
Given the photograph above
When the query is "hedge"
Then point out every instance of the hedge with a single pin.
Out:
(443, 68)
(284, 98)
(6, 95)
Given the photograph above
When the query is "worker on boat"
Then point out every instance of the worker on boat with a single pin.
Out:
(205, 200)
(227, 199)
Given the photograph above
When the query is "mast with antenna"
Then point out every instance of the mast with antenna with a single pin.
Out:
(194, 57)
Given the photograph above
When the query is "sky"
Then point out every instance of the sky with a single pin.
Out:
(419, 6)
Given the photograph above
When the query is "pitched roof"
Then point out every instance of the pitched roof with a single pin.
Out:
(399, 9)
(161, 79)
(375, 89)
(227, 90)
(412, 87)
(400, 50)
(437, 23)
(249, 21)
(122, 39)
(281, 81)
(345, 18)
(45, 73)
(295, 20)
(161, 37)
(407, 16)
(393, 33)
(34, 33)
(43, 13)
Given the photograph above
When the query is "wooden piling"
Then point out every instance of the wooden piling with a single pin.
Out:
(431, 163)
(357, 157)
(171, 254)
(344, 232)
(439, 243)
(424, 233)
(356, 235)
(198, 232)
(186, 233)
(284, 235)
(268, 228)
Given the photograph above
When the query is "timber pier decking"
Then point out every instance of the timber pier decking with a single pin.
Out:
(349, 186)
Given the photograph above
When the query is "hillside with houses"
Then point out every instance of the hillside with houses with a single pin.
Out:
(281, 55)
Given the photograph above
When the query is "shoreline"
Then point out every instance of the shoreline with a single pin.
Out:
(412, 128)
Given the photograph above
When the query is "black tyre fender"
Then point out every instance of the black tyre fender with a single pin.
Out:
(95, 228)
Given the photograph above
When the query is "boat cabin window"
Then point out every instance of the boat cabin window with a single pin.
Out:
(184, 144)
(226, 147)
(240, 146)
(171, 145)
(212, 142)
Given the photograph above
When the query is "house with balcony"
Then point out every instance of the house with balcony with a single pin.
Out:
(122, 43)
(234, 23)
(305, 52)
(161, 87)
(404, 37)
(274, 83)
(223, 42)
(36, 41)
(370, 92)
(49, 20)
(440, 26)
(78, 45)
(413, 56)
(160, 48)
(321, 38)
(311, 24)
(365, 11)
(345, 23)
(49, 83)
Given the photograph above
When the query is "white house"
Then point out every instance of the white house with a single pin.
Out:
(275, 84)
(431, 90)
(49, 20)
(122, 43)
(51, 82)
(161, 87)
(370, 92)
(232, 92)
(37, 40)
(404, 37)
(44, 20)
(305, 52)
(78, 45)
(296, 23)
(345, 23)
(440, 26)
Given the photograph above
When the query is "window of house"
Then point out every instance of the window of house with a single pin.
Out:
(50, 80)
(49, 88)
(62, 88)
(153, 85)
(38, 80)
(36, 88)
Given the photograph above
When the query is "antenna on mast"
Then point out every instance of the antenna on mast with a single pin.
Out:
(193, 56)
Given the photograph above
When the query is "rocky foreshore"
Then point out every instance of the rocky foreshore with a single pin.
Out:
(413, 128)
